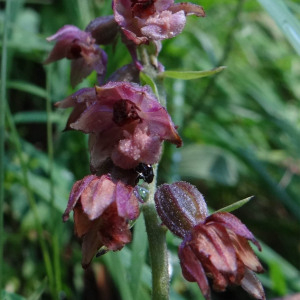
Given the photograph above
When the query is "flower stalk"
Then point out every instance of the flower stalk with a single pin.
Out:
(157, 247)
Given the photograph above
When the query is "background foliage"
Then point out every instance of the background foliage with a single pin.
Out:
(241, 132)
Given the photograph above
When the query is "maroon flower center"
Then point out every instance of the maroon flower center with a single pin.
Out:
(75, 51)
(143, 8)
(125, 112)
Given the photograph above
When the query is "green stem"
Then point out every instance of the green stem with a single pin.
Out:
(15, 139)
(2, 132)
(157, 247)
(56, 226)
(155, 232)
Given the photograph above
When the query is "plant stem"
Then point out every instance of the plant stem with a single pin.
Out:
(2, 132)
(157, 247)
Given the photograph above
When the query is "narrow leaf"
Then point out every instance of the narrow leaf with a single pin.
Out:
(138, 255)
(287, 22)
(117, 269)
(28, 88)
(188, 75)
(235, 205)
(145, 79)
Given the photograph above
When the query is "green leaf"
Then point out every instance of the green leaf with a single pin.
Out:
(116, 265)
(35, 117)
(235, 205)
(277, 277)
(28, 88)
(291, 274)
(138, 256)
(287, 22)
(188, 75)
(146, 79)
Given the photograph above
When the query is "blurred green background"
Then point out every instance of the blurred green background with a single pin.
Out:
(241, 133)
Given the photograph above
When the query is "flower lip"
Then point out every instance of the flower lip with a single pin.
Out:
(142, 8)
(124, 112)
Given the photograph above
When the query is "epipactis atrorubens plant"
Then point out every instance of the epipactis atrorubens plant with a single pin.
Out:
(126, 125)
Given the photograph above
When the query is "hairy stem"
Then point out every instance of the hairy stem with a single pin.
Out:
(157, 247)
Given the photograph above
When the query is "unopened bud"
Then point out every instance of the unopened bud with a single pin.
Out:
(180, 206)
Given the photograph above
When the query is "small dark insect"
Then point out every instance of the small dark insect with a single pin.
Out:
(144, 172)
(101, 252)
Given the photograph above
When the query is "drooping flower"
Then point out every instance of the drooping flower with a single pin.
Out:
(102, 209)
(145, 20)
(214, 246)
(125, 121)
(80, 47)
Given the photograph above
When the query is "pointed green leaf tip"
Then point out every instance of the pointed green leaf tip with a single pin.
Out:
(188, 75)
(146, 79)
(235, 205)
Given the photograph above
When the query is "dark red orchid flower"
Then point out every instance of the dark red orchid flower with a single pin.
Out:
(214, 246)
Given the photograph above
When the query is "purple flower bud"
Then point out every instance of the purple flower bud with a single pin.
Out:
(103, 29)
(79, 46)
(102, 208)
(215, 246)
(180, 206)
(125, 121)
(142, 21)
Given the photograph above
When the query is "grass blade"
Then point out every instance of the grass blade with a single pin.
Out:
(285, 20)
(2, 129)
(138, 255)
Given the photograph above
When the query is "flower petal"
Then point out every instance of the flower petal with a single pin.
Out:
(75, 194)
(164, 25)
(233, 223)
(253, 286)
(127, 202)
(97, 196)
(192, 269)
(212, 245)
(188, 8)
(245, 253)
